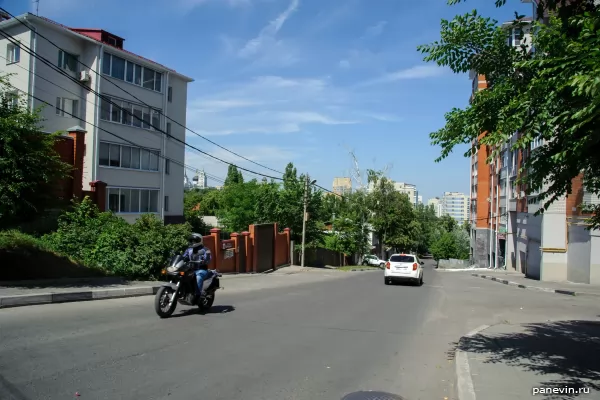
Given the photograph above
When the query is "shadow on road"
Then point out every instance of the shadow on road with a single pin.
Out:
(565, 352)
(196, 311)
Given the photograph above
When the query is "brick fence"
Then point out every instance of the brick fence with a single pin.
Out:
(261, 248)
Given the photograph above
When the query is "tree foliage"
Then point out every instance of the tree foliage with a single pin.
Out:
(551, 93)
(29, 166)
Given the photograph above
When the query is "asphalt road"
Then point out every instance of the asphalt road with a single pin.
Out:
(311, 341)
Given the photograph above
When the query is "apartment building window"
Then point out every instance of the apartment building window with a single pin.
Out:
(128, 71)
(170, 94)
(12, 98)
(67, 107)
(120, 156)
(167, 166)
(132, 200)
(127, 113)
(68, 61)
(166, 205)
(536, 142)
(13, 53)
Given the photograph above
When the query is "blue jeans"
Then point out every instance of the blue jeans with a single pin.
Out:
(200, 276)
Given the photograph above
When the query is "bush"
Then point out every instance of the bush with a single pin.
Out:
(26, 257)
(103, 240)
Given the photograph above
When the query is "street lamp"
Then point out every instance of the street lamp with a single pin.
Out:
(305, 216)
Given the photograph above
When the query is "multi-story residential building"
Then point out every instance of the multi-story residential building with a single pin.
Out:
(507, 233)
(436, 203)
(456, 205)
(419, 199)
(140, 177)
(409, 189)
(342, 186)
(199, 180)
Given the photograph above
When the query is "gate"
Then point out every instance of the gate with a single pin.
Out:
(264, 247)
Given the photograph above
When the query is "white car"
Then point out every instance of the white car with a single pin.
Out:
(404, 267)
(373, 261)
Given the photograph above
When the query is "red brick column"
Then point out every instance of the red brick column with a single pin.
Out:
(288, 234)
(78, 135)
(254, 254)
(236, 249)
(99, 188)
(275, 240)
(249, 251)
(218, 256)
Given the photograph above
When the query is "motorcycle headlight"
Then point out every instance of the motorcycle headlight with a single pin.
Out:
(171, 269)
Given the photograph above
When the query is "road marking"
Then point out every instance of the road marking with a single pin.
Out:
(465, 388)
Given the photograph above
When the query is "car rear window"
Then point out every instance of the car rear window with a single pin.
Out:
(403, 259)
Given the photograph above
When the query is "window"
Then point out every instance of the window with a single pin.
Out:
(126, 113)
(167, 166)
(166, 205)
(536, 142)
(67, 107)
(68, 61)
(170, 94)
(128, 71)
(112, 41)
(168, 128)
(402, 259)
(128, 200)
(121, 156)
(12, 98)
(13, 53)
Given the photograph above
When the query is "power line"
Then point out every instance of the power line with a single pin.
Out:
(138, 99)
(102, 97)
(69, 91)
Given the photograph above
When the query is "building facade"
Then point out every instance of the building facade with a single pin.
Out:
(142, 167)
(436, 203)
(342, 186)
(507, 230)
(410, 190)
(456, 205)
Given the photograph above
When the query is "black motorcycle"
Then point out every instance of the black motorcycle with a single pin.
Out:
(182, 287)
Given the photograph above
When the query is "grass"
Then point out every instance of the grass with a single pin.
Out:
(25, 257)
(357, 268)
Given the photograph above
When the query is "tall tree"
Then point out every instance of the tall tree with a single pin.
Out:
(29, 165)
(234, 176)
(238, 202)
(551, 93)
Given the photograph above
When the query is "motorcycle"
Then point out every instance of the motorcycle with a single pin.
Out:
(182, 287)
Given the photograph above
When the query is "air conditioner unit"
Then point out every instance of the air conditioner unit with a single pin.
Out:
(85, 76)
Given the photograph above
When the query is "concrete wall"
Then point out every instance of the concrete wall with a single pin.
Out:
(481, 250)
(453, 264)
(554, 242)
(579, 254)
(595, 257)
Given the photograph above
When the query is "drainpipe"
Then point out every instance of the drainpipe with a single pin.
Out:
(497, 219)
(506, 202)
(491, 209)
(97, 114)
(164, 146)
(32, 65)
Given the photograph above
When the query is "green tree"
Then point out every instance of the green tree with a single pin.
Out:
(234, 176)
(29, 165)
(198, 203)
(447, 223)
(350, 229)
(427, 222)
(238, 205)
(444, 248)
(552, 93)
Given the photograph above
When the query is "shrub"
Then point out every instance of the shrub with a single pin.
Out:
(101, 239)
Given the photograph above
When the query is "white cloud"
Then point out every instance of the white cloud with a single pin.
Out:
(375, 30)
(267, 36)
(383, 117)
(417, 72)
(221, 105)
(344, 64)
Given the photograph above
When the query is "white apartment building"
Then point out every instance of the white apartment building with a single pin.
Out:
(139, 180)
(436, 203)
(456, 205)
(409, 189)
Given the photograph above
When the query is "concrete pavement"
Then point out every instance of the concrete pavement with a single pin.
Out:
(324, 336)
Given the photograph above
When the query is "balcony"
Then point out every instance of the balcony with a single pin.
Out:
(503, 173)
(512, 205)
(475, 180)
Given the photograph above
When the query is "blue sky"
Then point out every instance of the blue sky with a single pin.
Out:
(301, 80)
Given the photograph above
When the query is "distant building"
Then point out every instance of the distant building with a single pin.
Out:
(342, 186)
(409, 189)
(420, 199)
(436, 203)
(456, 205)
(199, 180)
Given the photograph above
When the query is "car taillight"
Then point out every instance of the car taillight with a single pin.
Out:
(415, 265)
(387, 265)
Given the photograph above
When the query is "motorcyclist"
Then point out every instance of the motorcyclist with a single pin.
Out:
(200, 256)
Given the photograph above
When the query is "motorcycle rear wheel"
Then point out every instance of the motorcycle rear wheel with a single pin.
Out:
(204, 307)
(161, 302)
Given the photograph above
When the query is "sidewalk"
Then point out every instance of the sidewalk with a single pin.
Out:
(517, 279)
(507, 361)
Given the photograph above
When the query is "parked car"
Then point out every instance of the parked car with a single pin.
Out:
(404, 267)
(373, 261)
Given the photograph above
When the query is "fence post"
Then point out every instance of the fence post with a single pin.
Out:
(249, 251)
(236, 250)
(287, 232)
(215, 233)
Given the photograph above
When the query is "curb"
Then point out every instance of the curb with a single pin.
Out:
(464, 382)
(537, 288)
(67, 297)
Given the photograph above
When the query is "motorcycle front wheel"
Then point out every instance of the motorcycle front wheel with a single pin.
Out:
(164, 305)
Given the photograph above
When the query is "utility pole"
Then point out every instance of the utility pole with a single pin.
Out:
(304, 220)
